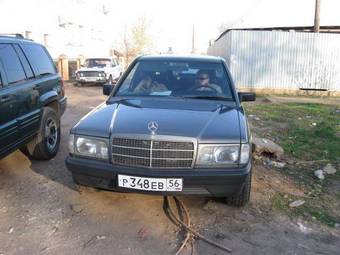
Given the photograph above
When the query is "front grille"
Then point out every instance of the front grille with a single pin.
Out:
(90, 73)
(152, 153)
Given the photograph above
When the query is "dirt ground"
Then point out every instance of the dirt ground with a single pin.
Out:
(43, 212)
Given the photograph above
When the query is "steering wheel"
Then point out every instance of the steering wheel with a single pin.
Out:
(206, 87)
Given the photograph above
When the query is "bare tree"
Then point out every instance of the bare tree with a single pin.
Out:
(137, 40)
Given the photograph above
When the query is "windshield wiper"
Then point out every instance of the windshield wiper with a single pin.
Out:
(126, 102)
(209, 97)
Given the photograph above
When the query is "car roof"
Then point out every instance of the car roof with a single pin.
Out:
(202, 58)
(10, 39)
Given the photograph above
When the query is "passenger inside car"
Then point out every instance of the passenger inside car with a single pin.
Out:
(148, 86)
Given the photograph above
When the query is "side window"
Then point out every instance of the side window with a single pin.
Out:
(11, 64)
(37, 56)
(24, 62)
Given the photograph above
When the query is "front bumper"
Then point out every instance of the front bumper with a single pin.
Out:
(91, 79)
(206, 182)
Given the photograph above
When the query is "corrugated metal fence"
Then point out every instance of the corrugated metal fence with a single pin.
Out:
(281, 60)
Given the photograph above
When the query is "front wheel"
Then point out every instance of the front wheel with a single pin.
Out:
(46, 143)
(242, 198)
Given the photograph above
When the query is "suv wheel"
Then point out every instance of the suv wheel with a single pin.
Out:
(242, 198)
(46, 144)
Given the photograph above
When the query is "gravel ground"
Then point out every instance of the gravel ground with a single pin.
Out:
(43, 212)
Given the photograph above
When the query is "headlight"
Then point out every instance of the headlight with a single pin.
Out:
(81, 74)
(101, 74)
(221, 155)
(88, 147)
(210, 155)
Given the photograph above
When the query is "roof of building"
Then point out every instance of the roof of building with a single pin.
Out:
(323, 29)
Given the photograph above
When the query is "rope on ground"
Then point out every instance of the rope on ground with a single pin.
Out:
(188, 234)
(170, 213)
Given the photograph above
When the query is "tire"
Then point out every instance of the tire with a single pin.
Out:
(242, 198)
(46, 143)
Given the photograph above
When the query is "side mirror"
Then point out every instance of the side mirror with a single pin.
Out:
(246, 96)
(81, 65)
(107, 89)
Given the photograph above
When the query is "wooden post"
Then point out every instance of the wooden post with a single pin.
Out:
(317, 16)
(63, 67)
(28, 34)
(46, 40)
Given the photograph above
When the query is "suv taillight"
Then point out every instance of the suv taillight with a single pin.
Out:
(62, 87)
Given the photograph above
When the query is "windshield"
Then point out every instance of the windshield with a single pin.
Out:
(177, 78)
(97, 62)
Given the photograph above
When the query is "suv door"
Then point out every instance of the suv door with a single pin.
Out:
(30, 112)
(13, 97)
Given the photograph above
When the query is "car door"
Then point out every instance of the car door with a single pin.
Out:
(12, 97)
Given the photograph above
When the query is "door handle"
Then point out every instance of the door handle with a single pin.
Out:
(5, 99)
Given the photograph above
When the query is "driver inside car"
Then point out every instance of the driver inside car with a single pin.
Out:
(202, 83)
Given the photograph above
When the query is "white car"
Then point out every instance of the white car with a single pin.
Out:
(99, 70)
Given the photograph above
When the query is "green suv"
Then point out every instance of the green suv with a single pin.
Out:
(32, 99)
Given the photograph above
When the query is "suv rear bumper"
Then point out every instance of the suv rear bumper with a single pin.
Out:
(204, 182)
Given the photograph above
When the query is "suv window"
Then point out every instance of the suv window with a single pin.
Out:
(38, 57)
(24, 62)
(11, 64)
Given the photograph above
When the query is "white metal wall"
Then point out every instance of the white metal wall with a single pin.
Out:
(281, 60)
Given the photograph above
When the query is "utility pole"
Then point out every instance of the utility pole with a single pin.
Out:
(193, 40)
(317, 16)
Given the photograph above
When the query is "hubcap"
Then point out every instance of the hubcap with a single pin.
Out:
(51, 133)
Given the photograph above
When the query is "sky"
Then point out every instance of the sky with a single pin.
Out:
(91, 27)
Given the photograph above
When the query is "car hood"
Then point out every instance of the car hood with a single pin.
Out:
(205, 120)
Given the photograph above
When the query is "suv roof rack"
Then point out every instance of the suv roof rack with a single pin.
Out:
(13, 35)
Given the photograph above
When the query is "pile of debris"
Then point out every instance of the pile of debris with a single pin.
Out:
(267, 150)
(327, 170)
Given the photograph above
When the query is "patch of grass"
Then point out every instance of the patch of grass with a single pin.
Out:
(310, 210)
(310, 130)
(307, 132)
(279, 203)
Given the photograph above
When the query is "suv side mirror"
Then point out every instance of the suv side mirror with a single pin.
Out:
(107, 89)
(246, 96)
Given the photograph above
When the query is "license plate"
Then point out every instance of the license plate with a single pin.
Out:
(150, 184)
(90, 78)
